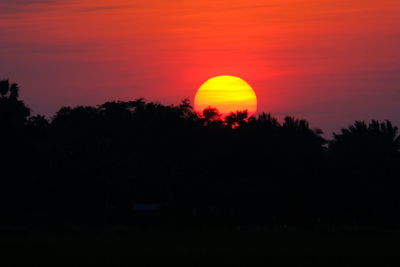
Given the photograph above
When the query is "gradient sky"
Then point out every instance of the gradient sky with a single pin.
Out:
(329, 61)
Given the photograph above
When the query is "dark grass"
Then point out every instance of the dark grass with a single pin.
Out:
(211, 246)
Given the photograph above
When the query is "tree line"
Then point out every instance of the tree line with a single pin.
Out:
(93, 164)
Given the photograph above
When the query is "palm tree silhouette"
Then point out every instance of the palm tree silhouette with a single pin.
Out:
(237, 119)
(13, 112)
(211, 117)
(367, 141)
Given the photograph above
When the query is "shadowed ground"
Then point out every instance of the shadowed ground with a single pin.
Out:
(201, 247)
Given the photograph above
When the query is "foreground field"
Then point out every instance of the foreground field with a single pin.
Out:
(245, 247)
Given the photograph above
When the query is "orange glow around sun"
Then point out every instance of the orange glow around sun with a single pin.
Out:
(227, 94)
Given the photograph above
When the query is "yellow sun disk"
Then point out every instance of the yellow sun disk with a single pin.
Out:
(227, 94)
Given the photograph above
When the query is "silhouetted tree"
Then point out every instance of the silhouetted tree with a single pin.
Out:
(13, 112)
(365, 160)
(376, 140)
(90, 164)
(212, 117)
(237, 119)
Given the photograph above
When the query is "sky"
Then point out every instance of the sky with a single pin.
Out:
(329, 61)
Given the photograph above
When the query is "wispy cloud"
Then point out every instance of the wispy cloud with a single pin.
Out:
(94, 7)
(303, 57)
(24, 2)
(17, 6)
(24, 6)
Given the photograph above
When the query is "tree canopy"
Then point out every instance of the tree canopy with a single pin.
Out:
(89, 164)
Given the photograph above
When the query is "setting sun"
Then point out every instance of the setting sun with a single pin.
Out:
(227, 94)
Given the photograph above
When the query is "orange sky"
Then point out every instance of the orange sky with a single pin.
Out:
(330, 61)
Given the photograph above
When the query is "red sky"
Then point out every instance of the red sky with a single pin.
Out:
(329, 61)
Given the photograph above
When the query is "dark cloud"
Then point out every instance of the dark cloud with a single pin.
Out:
(16, 6)
(18, 1)
(13, 3)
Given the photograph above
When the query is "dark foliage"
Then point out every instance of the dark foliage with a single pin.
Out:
(94, 165)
